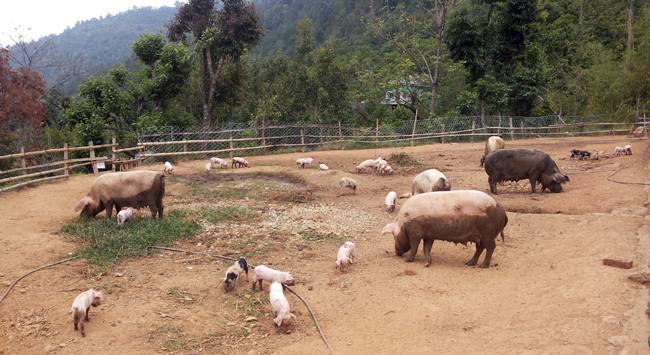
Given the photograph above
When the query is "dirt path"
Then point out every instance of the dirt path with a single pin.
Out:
(546, 293)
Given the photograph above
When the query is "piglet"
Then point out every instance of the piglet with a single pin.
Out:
(124, 215)
(365, 165)
(619, 151)
(81, 306)
(280, 305)
(263, 273)
(322, 166)
(628, 150)
(168, 167)
(208, 166)
(233, 272)
(217, 161)
(390, 201)
(345, 256)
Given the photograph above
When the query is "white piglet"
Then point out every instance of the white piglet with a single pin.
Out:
(217, 161)
(263, 273)
(390, 201)
(281, 310)
(168, 167)
(81, 306)
(208, 166)
(322, 166)
(124, 215)
(345, 256)
(619, 151)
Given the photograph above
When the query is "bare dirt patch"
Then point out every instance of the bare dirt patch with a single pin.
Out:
(547, 292)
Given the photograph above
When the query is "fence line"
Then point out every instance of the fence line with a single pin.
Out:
(253, 138)
(161, 143)
(58, 173)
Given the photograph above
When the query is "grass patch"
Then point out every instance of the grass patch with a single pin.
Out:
(201, 193)
(106, 243)
(215, 215)
(313, 237)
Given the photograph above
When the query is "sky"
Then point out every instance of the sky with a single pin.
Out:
(45, 17)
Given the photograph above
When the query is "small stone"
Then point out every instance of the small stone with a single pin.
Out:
(190, 267)
(50, 347)
(6, 283)
(638, 276)
(118, 274)
(250, 319)
(620, 341)
(611, 320)
(310, 288)
(288, 331)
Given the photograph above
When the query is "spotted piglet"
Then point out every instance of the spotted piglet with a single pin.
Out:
(233, 272)
(345, 256)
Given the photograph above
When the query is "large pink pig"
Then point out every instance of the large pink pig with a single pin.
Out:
(134, 188)
(460, 216)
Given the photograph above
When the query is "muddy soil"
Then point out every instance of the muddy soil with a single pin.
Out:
(547, 291)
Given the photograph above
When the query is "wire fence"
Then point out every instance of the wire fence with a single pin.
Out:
(256, 138)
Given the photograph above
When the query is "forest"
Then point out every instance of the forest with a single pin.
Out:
(207, 63)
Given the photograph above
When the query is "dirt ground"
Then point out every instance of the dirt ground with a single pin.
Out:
(547, 291)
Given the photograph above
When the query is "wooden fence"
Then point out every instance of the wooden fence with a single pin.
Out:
(293, 138)
(353, 137)
(36, 171)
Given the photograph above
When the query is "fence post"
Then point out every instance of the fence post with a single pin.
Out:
(473, 129)
(264, 133)
(231, 147)
(522, 130)
(340, 136)
(113, 156)
(65, 158)
(377, 135)
(302, 140)
(443, 134)
(611, 116)
(92, 158)
(24, 161)
(414, 125)
(512, 133)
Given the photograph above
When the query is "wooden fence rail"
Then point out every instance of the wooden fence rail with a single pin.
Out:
(122, 159)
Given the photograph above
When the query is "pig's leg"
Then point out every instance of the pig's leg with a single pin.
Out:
(474, 259)
(153, 210)
(428, 243)
(76, 320)
(261, 289)
(83, 329)
(160, 206)
(415, 243)
(493, 185)
(490, 245)
(109, 209)
(118, 208)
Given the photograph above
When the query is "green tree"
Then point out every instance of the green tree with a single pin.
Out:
(220, 34)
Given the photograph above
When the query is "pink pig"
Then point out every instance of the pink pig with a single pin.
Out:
(263, 273)
(345, 256)
(280, 305)
(81, 306)
(390, 201)
(124, 215)
(365, 165)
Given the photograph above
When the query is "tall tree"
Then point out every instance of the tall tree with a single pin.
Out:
(220, 34)
(21, 112)
(410, 33)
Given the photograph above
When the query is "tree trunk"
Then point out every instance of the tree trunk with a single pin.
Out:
(208, 89)
(483, 113)
(630, 20)
(436, 75)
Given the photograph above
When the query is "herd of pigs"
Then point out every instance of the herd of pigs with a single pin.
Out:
(431, 212)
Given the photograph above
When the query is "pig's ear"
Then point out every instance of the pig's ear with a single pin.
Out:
(82, 203)
(278, 320)
(97, 295)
